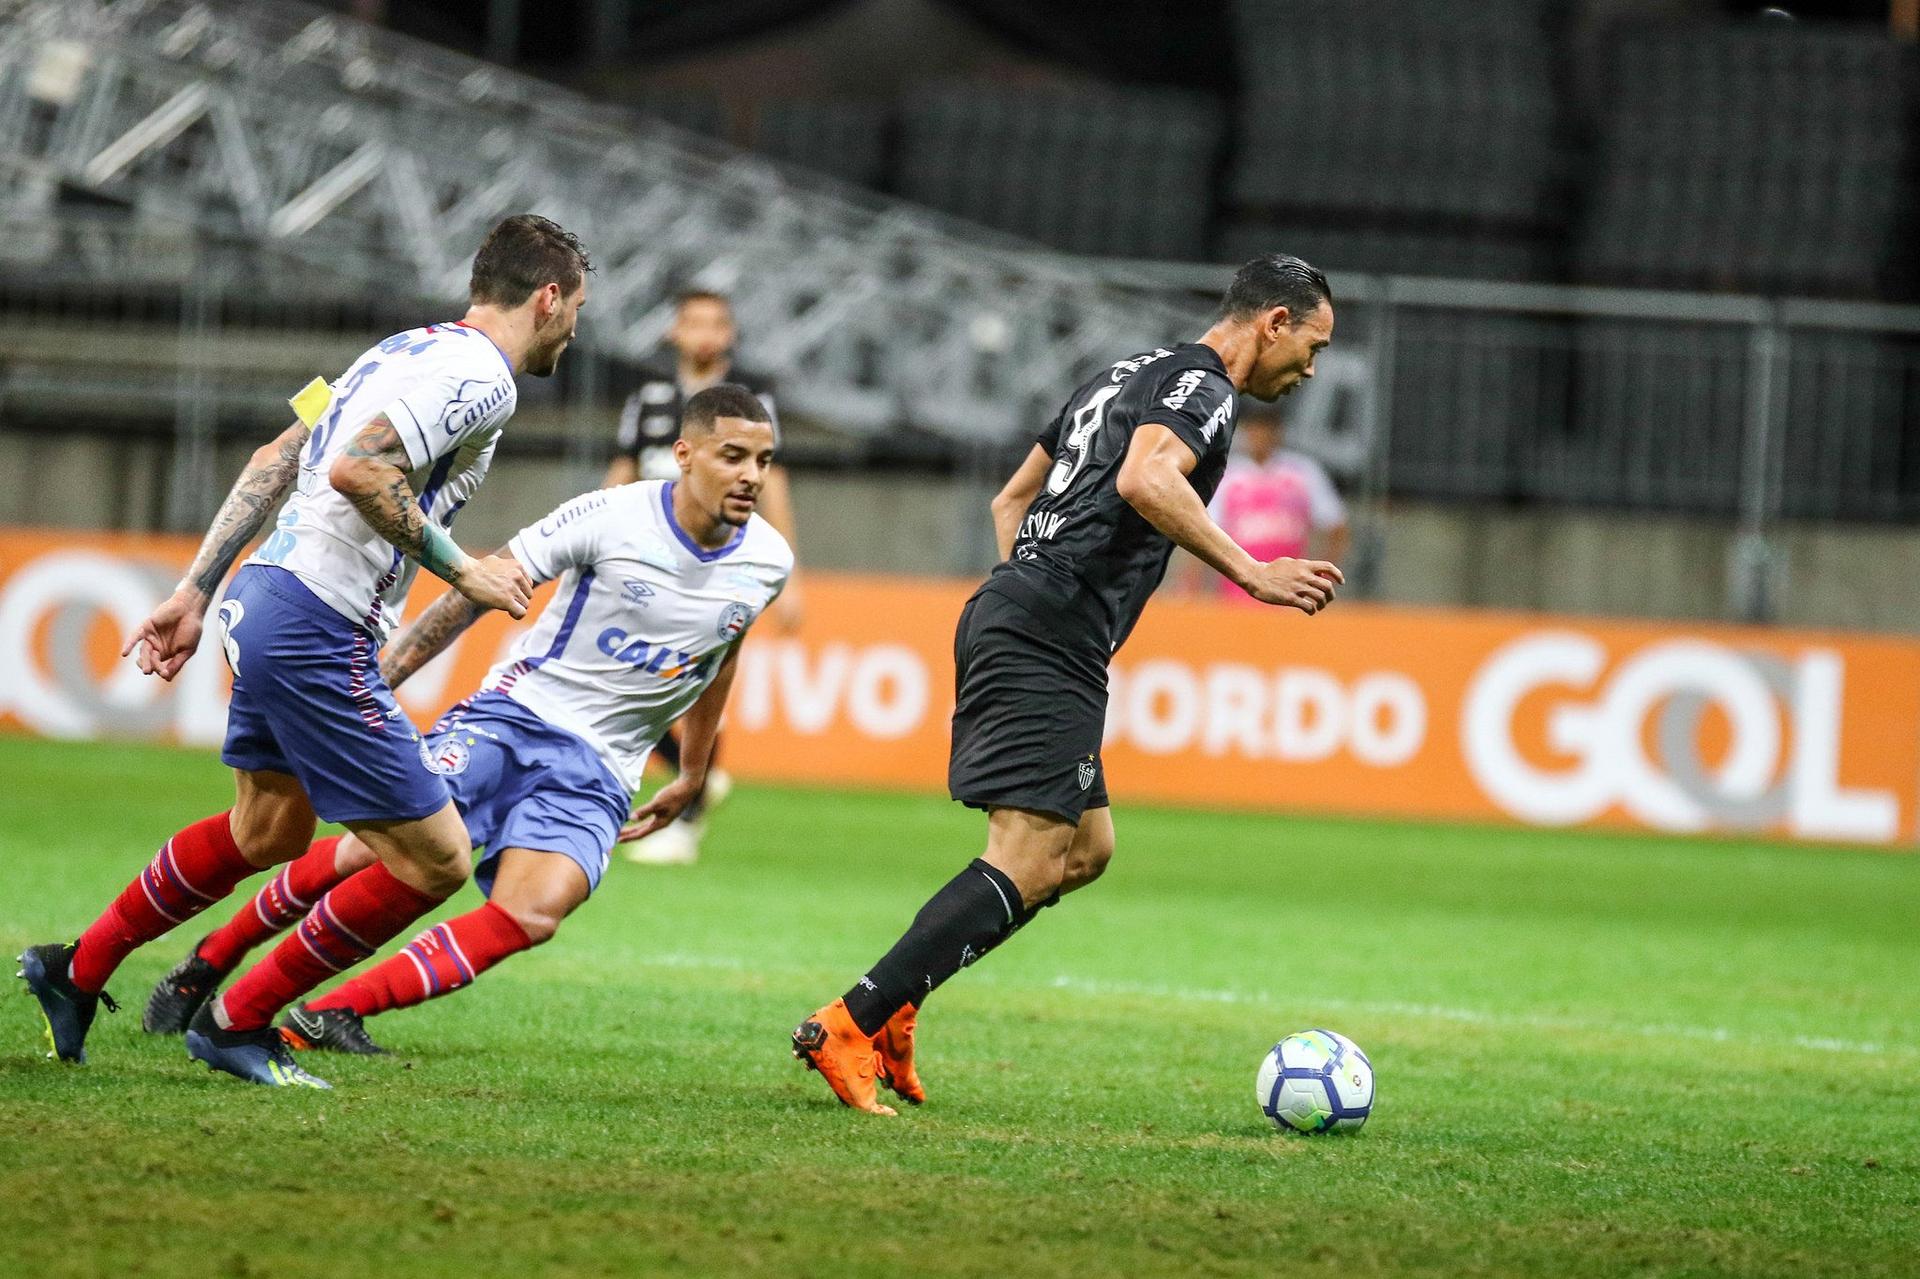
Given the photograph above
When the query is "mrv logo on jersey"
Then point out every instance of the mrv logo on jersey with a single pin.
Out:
(1188, 383)
(1041, 526)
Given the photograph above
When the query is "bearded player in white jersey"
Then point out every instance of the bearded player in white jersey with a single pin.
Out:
(659, 582)
(395, 447)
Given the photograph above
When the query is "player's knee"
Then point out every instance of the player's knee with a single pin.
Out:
(1041, 879)
(455, 870)
(441, 871)
(270, 837)
(351, 856)
(1087, 863)
(538, 922)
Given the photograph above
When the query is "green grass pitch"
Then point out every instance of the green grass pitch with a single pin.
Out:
(1597, 1055)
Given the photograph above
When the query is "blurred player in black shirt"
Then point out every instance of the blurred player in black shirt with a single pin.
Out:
(702, 340)
(1119, 477)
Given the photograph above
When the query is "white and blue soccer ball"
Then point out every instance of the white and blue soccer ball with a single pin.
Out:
(1315, 1081)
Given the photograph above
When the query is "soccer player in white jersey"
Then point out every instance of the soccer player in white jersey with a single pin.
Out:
(313, 729)
(659, 582)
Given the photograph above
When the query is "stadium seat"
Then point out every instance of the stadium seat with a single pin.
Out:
(1041, 163)
(1766, 157)
(1413, 134)
(844, 138)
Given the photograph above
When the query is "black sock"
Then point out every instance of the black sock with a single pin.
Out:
(977, 910)
(667, 751)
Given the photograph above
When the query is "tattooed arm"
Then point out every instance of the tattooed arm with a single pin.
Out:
(371, 473)
(168, 638)
(443, 622)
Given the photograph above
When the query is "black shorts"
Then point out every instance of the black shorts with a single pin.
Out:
(1030, 706)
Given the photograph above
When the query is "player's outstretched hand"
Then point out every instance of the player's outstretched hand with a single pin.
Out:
(497, 581)
(170, 635)
(1307, 585)
(667, 803)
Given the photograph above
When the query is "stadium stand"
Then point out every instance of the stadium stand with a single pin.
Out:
(844, 138)
(1761, 157)
(1440, 143)
(270, 126)
(1402, 138)
(1042, 163)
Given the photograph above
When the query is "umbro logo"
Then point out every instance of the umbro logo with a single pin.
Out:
(635, 591)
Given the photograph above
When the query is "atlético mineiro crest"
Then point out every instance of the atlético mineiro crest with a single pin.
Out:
(733, 620)
(1085, 769)
(450, 755)
(635, 591)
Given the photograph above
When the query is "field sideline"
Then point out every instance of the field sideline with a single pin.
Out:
(1597, 1055)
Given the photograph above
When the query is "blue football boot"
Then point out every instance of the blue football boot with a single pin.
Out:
(68, 1010)
(257, 1056)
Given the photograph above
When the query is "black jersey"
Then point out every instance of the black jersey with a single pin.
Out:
(1080, 537)
(650, 419)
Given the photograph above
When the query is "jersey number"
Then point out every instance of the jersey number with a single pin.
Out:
(1073, 446)
(324, 435)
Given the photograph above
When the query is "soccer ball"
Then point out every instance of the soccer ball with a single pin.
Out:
(1315, 1081)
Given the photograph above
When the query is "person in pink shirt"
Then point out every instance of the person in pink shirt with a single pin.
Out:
(1275, 501)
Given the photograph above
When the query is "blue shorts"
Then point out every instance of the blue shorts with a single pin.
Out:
(308, 699)
(522, 783)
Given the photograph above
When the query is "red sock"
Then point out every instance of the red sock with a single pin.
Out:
(437, 962)
(354, 919)
(192, 871)
(283, 903)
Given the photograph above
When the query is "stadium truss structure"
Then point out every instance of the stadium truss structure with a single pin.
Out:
(379, 161)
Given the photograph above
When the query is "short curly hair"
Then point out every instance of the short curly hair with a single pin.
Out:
(523, 253)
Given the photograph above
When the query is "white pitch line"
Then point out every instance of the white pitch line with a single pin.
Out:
(1376, 1007)
(1485, 1017)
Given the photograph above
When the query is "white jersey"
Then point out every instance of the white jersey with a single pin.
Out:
(448, 390)
(641, 621)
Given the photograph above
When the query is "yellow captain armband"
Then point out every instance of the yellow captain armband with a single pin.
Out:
(311, 401)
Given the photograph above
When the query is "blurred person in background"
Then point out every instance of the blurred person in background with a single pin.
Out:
(1274, 501)
(702, 342)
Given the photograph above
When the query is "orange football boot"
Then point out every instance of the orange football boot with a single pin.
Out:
(832, 1044)
(894, 1044)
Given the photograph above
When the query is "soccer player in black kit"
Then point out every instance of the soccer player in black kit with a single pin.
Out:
(1085, 527)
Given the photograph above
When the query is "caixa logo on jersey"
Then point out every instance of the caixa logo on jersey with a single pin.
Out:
(1684, 735)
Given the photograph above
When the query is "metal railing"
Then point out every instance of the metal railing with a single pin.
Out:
(377, 158)
(266, 153)
(1750, 409)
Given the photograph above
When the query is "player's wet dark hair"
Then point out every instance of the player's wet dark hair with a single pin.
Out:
(526, 252)
(1276, 279)
(727, 399)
